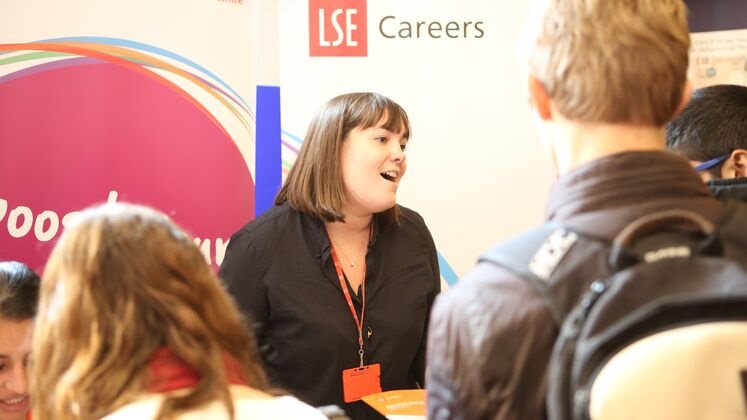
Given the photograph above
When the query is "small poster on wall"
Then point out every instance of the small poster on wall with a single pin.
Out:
(718, 57)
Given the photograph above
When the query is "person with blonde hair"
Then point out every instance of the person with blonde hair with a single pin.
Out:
(133, 323)
(604, 78)
(19, 294)
(339, 277)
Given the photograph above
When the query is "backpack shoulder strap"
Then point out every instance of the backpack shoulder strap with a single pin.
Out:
(533, 256)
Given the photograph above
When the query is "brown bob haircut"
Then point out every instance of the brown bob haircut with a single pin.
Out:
(314, 184)
(122, 282)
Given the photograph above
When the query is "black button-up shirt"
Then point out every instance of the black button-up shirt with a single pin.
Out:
(279, 270)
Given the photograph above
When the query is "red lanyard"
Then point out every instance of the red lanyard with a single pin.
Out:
(344, 287)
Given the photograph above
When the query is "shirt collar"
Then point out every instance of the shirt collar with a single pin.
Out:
(317, 234)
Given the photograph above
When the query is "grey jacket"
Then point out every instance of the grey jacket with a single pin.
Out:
(491, 335)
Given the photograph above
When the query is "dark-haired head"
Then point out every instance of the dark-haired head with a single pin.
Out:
(19, 291)
(713, 125)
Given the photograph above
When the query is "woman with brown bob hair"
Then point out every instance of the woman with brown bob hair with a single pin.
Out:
(133, 323)
(338, 277)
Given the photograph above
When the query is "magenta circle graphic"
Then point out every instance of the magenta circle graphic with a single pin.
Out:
(76, 135)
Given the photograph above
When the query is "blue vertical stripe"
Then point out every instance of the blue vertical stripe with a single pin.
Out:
(448, 274)
(269, 169)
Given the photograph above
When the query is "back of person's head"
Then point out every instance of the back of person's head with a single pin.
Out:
(123, 282)
(712, 125)
(314, 184)
(19, 291)
(610, 61)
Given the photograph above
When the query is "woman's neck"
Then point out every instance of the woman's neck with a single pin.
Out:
(352, 225)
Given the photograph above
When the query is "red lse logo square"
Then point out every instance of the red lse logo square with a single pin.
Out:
(338, 28)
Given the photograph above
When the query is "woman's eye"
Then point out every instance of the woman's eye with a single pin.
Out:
(381, 139)
(403, 147)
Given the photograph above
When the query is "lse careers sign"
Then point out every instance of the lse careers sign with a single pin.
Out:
(338, 28)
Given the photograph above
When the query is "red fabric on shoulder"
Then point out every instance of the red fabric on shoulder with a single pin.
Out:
(169, 373)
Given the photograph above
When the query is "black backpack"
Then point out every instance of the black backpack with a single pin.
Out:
(652, 325)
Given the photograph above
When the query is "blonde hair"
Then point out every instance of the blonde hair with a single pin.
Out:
(314, 184)
(610, 61)
(122, 282)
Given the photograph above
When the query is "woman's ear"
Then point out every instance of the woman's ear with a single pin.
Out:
(736, 165)
(539, 98)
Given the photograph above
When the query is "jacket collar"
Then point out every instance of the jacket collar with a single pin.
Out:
(623, 179)
(729, 189)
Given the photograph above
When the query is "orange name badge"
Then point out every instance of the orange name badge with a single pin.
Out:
(361, 381)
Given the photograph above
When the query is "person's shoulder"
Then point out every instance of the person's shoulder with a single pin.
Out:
(270, 225)
(281, 408)
(148, 404)
(272, 229)
(276, 215)
(409, 215)
(144, 407)
(489, 291)
(245, 407)
(479, 285)
(410, 229)
(492, 310)
(410, 220)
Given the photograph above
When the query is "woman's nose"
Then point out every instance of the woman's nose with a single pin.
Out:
(397, 154)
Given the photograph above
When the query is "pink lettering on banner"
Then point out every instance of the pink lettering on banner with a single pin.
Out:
(73, 136)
